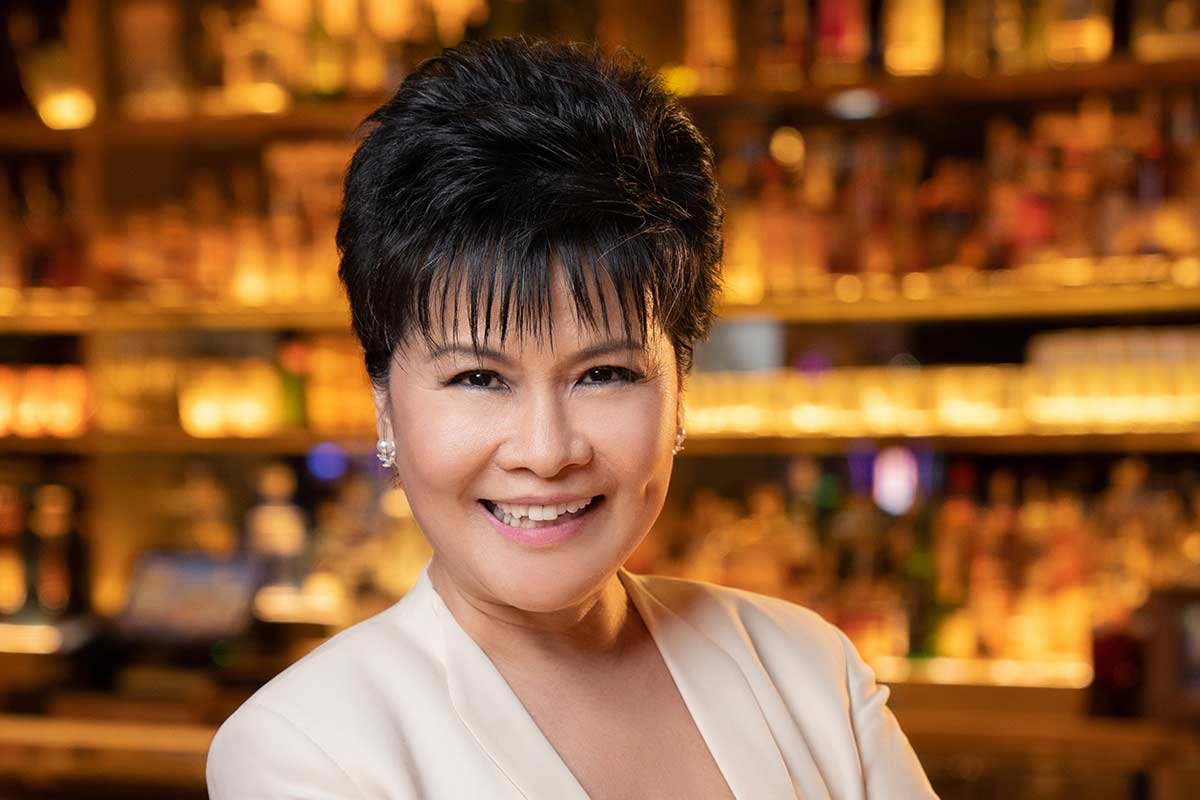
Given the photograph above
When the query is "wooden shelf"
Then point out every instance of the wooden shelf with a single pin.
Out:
(174, 442)
(112, 318)
(1165, 442)
(938, 91)
(335, 118)
(25, 133)
(1062, 302)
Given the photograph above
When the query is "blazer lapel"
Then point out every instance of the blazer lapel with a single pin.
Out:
(496, 717)
(720, 700)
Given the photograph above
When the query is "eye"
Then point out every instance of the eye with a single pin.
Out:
(477, 379)
(603, 375)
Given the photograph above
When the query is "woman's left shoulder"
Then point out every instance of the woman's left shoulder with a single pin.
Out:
(763, 622)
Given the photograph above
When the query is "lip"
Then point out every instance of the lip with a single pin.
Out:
(530, 500)
(537, 537)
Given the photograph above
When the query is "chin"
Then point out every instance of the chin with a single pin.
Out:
(546, 582)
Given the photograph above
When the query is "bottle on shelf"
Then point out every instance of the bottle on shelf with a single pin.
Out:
(1165, 29)
(913, 37)
(781, 48)
(14, 573)
(842, 41)
(57, 589)
(276, 529)
(1078, 31)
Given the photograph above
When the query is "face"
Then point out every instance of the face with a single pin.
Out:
(577, 431)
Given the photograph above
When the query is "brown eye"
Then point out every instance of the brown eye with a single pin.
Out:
(478, 379)
(602, 375)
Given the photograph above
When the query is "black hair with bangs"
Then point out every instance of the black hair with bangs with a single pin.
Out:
(495, 163)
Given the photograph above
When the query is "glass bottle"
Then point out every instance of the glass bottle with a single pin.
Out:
(842, 41)
(913, 41)
(1165, 29)
(1079, 31)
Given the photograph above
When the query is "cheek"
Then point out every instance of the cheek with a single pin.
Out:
(633, 435)
(440, 445)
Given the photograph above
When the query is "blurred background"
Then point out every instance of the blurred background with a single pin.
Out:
(954, 404)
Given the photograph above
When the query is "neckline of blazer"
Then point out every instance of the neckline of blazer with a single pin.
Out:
(713, 687)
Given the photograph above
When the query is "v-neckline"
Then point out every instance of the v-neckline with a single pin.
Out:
(713, 687)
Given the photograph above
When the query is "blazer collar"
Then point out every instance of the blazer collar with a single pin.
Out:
(494, 715)
(712, 685)
(720, 699)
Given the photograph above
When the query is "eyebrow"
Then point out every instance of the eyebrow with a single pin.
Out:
(590, 352)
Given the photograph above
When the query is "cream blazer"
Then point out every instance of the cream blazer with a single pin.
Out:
(406, 705)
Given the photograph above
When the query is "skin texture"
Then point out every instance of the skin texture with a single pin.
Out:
(535, 419)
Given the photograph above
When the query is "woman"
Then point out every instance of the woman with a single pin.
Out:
(530, 243)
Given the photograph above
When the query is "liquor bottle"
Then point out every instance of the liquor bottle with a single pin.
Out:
(214, 246)
(276, 528)
(777, 234)
(1166, 29)
(325, 65)
(14, 578)
(11, 245)
(781, 52)
(842, 41)
(251, 283)
(913, 41)
(51, 522)
(40, 225)
(710, 49)
(984, 36)
(1079, 31)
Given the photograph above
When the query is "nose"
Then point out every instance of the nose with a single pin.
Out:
(545, 437)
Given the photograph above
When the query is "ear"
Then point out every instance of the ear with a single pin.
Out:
(383, 412)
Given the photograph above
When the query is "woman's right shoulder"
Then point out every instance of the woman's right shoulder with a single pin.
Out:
(311, 722)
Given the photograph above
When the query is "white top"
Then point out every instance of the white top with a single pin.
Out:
(406, 705)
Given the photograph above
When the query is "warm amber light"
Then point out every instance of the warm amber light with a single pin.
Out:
(67, 109)
(32, 639)
(787, 147)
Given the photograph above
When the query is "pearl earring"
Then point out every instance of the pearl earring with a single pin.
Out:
(385, 451)
(679, 440)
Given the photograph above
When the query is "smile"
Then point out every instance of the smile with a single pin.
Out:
(519, 515)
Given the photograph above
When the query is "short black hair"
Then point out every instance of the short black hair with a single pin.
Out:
(496, 161)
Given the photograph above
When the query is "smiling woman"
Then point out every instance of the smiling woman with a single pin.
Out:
(530, 242)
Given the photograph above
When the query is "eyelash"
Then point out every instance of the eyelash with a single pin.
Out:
(621, 375)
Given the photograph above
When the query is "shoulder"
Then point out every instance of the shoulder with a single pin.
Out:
(774, 629)
(260, 752)
(311, 722)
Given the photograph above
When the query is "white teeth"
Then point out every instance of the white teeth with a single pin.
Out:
(522, 516)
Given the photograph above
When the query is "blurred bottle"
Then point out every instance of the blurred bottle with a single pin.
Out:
(325, 74)
(14, 577)
(782, 43)
(57, 588)
(842, 41)
(710, 50)
(1165, 29)
(251, 280)
(984, 36)
(913, 36)
(153, 80)
(1078, 31)
(41, 217)
(276, 529)
(11, 245)
(213, 243)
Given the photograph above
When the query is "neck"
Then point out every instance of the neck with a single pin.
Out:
(598, 628)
